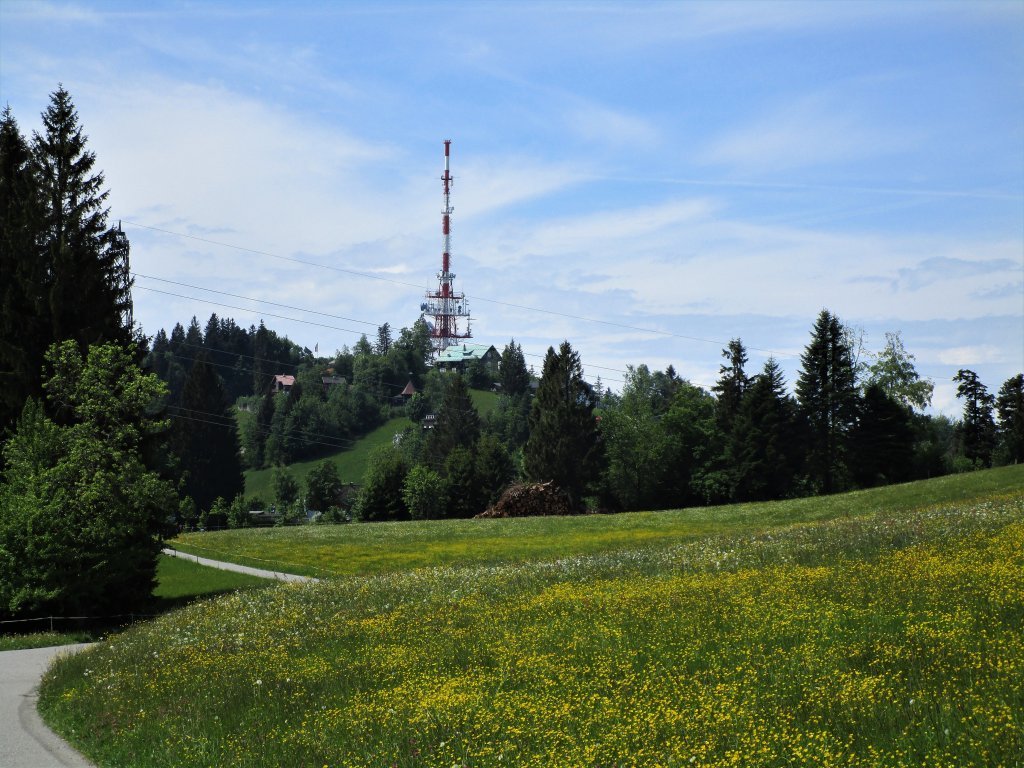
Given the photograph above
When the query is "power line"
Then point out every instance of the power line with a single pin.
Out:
(246, 369)
(330, 441)
(525, 307)
(274, 255)
(261, 301)
(249, 309)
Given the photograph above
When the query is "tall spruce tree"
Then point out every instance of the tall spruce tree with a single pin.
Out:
(1010, 430)
(978, 429)
(827, 390)
(205, 438)
(564, 445)
(512, 372)
(23, 327)
(86, 261)
(64, 274)
(764, 439)
(458, 424)
(731, 385)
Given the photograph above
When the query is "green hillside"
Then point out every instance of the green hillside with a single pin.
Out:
(351, 463)
(882, 628)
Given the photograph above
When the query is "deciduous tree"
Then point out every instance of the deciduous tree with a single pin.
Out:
(81, 516)
(893, 371)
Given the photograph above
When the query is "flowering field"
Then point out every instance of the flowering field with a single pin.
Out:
(350, 550)
(884, 640)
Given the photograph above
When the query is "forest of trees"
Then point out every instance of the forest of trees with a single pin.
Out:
(110, 440)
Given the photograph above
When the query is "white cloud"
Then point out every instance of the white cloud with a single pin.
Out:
(599, 123)
(971, 355)
(59, 13)
(809, 131)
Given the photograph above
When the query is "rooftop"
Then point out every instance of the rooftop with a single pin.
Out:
(461, 352)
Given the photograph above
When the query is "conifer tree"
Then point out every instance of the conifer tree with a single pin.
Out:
(827, 390)
(1010, 407)
(764, 439)
(81, 515)
(458, 424)
(564, 444)
(205, 438)
(512, 373)
(883, 440)
(86, 262)
(977, 430)
(23, 331)
(731, 385)
(63, 273)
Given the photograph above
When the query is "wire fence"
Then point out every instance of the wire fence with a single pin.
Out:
(53, 623)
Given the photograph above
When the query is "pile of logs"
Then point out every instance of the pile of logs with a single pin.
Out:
(529, 500)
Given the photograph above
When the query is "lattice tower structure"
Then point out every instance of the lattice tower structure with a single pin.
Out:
(446, 306)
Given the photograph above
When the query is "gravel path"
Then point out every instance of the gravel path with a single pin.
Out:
(25, 740)
(239, 568)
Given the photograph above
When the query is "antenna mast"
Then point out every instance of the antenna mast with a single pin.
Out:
(445, 305)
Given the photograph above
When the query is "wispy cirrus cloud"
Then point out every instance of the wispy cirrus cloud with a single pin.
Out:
(940, 268)
(810, 131)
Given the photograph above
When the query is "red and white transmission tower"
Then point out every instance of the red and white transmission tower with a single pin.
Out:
(445, 305)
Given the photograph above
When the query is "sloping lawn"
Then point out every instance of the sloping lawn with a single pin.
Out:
(864, 630)
(351, 463)
(365, 548)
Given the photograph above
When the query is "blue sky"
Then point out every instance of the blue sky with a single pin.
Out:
(684, 172)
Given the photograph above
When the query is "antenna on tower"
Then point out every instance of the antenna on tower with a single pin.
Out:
(445, 305)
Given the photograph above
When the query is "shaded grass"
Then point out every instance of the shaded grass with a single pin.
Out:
(351, 462)
(43, 640)
(181, 581)
(353, 549)
(765, 646)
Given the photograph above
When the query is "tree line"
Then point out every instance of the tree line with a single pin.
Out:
(664, 442)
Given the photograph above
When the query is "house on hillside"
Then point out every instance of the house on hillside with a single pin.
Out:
(328, 382)
(282, 383)
(458, 356)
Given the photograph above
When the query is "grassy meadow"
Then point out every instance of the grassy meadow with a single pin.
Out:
(364, 549)
(869, 630)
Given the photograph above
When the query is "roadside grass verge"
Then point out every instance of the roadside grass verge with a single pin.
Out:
(20, 642)
(179, 583)
(362, 549)
(351, 462)
(892, 637)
